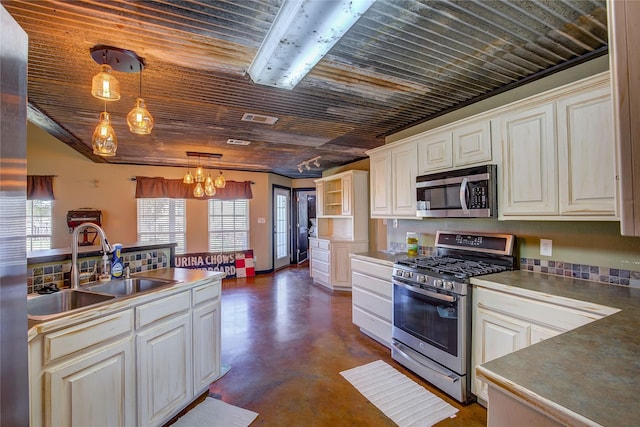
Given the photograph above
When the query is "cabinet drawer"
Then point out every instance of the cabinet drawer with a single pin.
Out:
(372, 303)
(156, 310)
(372, 284)
(79, 337)
(208, 292)
(373, 325)
(556, 316)
(319, 244)
(380, 271)
(321, 256)
(321, 277)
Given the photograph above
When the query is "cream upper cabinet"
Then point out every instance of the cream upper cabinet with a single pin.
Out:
(586, 150)
(380, 184)
(558, 155)
(529, 175)
(472, 143)
(435, 152)
(403, 179)
(393, 180)
(464, 144)
(319, 198)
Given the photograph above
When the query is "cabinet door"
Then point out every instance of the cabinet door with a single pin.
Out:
(96, 390)
(206, 346)
(472, 144)
(319, 199)
(164, 369)
(347, 195)
(495, 335)
(340, 265)
(541, 333)
(435, 152)
(586, 153)
(380, 184)
(529, 172)
(404, 166)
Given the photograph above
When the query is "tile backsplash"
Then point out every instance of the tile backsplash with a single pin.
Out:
(559, 268)
(59, 273)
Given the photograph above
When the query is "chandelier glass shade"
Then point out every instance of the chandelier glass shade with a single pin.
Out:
(139, 119)
(104, 85)
(199, 174)
(188, 178)
(104, 140)
(198, 191)
(210, 189)
(220, 182)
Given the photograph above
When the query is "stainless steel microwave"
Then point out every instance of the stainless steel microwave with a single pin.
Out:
(462, 193)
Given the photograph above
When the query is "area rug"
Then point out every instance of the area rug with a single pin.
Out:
(399, 397)
(216, 413)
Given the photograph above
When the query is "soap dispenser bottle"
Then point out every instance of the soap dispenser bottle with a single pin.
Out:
(117, 267)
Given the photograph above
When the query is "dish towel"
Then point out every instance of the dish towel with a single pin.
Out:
(216, 413)
(400, 398)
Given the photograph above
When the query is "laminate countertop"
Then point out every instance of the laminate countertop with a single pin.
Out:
(586, 376)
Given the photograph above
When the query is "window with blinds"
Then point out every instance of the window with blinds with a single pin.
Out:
(38, 224)
(162, 221)
(228, 225)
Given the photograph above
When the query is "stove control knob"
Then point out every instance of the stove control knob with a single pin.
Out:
(448, 285)
(421, 278)
(408, 274)
(437, 283)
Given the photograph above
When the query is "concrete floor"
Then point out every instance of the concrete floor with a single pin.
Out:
(286, 341)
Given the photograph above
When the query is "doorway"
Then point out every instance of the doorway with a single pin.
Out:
(281, 227)
(304, 220)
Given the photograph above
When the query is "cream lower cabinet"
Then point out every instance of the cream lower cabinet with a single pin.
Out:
(136, 367)
(371, 301)
(85, 383)
(164, 358)
(206, 337)
(503, 323)
(330, 265)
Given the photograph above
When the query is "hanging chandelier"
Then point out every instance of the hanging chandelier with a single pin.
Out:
(106, 87)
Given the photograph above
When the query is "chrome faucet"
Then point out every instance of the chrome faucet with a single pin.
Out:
(106, 248)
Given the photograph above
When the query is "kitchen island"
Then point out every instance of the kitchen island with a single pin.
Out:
(134, 360)
(586, 376)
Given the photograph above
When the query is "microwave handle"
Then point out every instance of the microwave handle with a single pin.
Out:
(463, 196)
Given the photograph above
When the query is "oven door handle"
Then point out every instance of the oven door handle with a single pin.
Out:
(430, 294)
(403, 350)
(463, 196)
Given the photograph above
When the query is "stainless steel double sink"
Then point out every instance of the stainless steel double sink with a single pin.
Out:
(68, 301)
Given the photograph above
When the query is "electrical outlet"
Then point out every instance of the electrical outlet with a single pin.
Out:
(546, 247)
(395, 223)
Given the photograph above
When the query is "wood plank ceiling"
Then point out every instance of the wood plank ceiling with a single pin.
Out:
(404, 62)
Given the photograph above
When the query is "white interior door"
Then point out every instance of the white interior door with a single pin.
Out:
(281, 227)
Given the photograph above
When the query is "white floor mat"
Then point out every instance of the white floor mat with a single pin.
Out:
(216, 413)
(399, 397)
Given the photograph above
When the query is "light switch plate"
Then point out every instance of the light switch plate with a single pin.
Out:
(546, 247)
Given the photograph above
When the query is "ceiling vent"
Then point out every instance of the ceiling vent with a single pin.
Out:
(238, 142)
(257, 118)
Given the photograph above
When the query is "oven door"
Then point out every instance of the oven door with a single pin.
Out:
(431, 323)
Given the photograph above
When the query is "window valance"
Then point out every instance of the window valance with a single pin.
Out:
(40, 187)
(158, 187)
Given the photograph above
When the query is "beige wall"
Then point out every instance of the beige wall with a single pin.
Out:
(80, 183)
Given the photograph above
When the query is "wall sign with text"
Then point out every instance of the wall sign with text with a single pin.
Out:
(234, 264)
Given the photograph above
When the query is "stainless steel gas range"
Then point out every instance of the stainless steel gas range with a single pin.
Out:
(431, 332)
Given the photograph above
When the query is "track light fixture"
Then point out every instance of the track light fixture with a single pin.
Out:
(307, 164)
